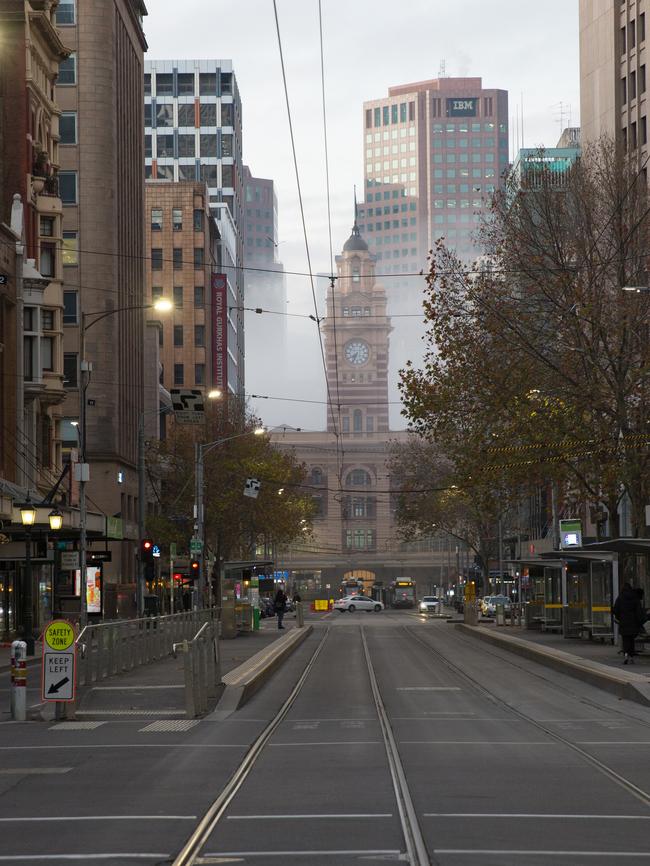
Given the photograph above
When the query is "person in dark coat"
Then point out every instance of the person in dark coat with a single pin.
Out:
(280, 605)
(630, 616)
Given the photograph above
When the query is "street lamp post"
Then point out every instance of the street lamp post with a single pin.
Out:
(82, 470)
(200, 450)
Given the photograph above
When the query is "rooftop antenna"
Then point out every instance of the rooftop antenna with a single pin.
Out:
(561, 111)
(442, 71)
(356, 209)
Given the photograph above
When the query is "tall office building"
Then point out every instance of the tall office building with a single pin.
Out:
(193, 132)
(101, 183)
(613, 82)
(434, 152)
(265, 283)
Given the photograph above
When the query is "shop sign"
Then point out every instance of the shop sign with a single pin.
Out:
(461, 107)
(570, 534)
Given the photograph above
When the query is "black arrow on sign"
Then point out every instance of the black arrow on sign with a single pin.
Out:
(54, 688)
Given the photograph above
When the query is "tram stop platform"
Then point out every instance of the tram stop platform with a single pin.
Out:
(592, 661)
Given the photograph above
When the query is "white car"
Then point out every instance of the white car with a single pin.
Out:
(357, 602)
(430, 603)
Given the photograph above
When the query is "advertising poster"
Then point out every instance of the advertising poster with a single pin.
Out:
(93, 588)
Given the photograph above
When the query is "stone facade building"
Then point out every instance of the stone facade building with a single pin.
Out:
(355, 531)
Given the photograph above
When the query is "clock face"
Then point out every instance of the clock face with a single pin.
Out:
(357, 352)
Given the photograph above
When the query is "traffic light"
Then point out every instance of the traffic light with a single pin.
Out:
(195, 567)
(146, 550)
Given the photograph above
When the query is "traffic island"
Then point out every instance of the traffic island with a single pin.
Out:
(241, 683)
(622, 683)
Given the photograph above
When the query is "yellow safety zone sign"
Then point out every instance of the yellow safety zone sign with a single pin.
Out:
(59, 635)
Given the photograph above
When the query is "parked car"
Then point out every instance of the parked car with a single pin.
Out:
(490, 602)
(357, 602)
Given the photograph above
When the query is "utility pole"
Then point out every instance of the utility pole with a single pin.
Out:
(200, 519)
(140, 581)
(500, 555)
(82, 470)
(17, 226)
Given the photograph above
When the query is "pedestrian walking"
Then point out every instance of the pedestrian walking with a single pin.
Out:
(630, 616)
(280, 605)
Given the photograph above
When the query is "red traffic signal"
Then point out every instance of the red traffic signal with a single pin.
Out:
(146, 549)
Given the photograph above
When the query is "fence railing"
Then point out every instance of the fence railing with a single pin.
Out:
(202, 669)
(111, 648)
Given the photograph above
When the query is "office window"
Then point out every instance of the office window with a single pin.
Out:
(210, 174)
(178, 258)
(642, 82)
(208, 83)
(156, 259)
(67, 71)
(164, 84)
(147, 84)
(370, 424)
(178, 335)
(70, 308)
(147, 114)
(623, 90)
(226, 145)
(199, 296)
(68, 127)
(147, 147)
(631, 35)
(186, 145)
(47, 260)
(186, 172)
(179, 374)
(156, 219)
(208, 144)
(178, 297)
(644, 131)
(227, 114)
(185, 83)
(633, 136)
(70, 369)
(47, 227)
(47, 354)
(368, 118)
(226, 83)
(70, 248)
(199, 374)
(198, 220)
(186, 114)
(642, 27)
(198, 258)
(633, 85)
(156, 293)
(177, 219)
(65, 13)
(164, 114)
(199, 335)
(165, 146)
(208, 114)
(68, 187)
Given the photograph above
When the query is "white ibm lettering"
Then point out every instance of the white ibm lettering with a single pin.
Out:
(463, 104)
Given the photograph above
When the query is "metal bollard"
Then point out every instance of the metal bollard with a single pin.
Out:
(300, 615)
(19, 681)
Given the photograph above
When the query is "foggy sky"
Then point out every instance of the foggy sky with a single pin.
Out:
(369, 46)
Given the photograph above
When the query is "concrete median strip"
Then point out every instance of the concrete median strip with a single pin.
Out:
(622, 683)
(242, 682)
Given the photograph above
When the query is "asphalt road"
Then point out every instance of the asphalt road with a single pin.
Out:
(506, 762)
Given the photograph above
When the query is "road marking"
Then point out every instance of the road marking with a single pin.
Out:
(613, 742)
(132, 688)
(33, 819)
(59, 746)
(536, 816)
(428, 689)
(34, 771)
(518, 853)
(477, 743)
(325, 816)
(334, 720)
(170, 725)
(130, 712)
(326, 743)
(337, 853)
(76, 726)
(83, 857)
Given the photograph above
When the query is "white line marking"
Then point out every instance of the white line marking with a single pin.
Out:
(291, 817)
(518, 853)
(131, 688)
(293, 721)
(58, 746)
(613, 742)
(340, 853)
(476, 743)
(34, 771)
(100, 818)
(428, 689)
(535, 816)
(83, 857)
(332, 743)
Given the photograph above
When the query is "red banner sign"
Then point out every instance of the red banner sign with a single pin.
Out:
(219, 332)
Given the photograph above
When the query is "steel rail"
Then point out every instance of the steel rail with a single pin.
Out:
(416, 849)
(191, 851)
(597, 764)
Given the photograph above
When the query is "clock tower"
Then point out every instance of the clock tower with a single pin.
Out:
(356, 333)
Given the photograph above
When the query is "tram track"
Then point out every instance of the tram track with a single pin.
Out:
(609, 772)
(191, 853)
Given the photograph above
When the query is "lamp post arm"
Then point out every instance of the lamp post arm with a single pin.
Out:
(99, 315)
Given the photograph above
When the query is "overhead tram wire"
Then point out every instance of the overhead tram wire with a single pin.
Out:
(302, 214)
(340, 452)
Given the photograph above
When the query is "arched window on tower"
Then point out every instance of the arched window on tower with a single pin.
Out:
(357, 421)
(356, 270)
(358, 478)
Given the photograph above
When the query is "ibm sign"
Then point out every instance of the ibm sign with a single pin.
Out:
(461, 107)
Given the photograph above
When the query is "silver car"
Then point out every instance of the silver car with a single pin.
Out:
(357, 602)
